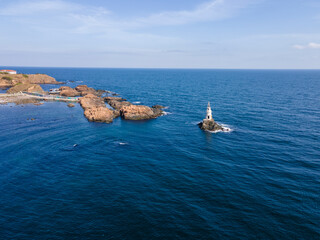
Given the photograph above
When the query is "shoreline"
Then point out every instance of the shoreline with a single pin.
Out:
(25, 90)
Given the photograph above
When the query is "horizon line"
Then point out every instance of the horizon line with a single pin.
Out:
(165, 68)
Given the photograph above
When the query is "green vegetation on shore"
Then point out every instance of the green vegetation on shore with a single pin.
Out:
(7, 78)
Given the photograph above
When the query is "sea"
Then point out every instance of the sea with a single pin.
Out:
(62, 177)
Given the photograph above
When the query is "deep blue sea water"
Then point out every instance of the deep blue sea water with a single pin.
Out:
(165, 178)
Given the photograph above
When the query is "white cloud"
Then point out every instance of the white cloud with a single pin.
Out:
(314, 45)
(48, 6)
(208, 11)
(311, 45)
(29, 8)
(64, 24)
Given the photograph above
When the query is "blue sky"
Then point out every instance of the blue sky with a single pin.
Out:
(259, 34)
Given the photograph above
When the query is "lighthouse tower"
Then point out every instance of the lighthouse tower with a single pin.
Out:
(209, 112)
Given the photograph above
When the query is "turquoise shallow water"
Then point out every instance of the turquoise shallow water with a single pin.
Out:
(165, 178)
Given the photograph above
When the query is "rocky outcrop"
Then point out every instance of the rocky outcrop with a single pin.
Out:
(39, 79)
(158, 107)
(62, 88)
(11, 80)
(25, 87)
(68, 91)
(139, 112)
(82, 88)
(130, 111)
(99, 114)
(210, 125)
(118, 104)
(4, 83)
(85, 90)
(106, 99)
(90, 101)
(95, 109)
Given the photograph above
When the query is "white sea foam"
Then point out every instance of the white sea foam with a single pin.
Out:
(137, 102)
(165, 113)
(123, 143)
(226, 128)
(193, 123)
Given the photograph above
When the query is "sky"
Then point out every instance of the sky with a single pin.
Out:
(229, 34)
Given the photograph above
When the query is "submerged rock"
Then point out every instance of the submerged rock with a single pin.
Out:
(70, 105)
(38, 104)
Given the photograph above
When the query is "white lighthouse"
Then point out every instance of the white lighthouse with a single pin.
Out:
(209, 112)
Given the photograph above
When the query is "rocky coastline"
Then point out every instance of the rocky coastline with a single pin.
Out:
(91, 100)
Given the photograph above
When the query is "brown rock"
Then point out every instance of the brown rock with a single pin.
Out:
(90, 101)
(69, 93)
(85, 90)
(118, 104)
(99, 114)
(95, 109)
(158, 106)
(70, 105)
(62, 88)
(210, 125)
(25, 87)
(100, 92)
(84, 93)
(82, 88)
(5, 83)
(130, 111)
(106, 99)
(26, 78)
(138, 112)
(38, 79)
